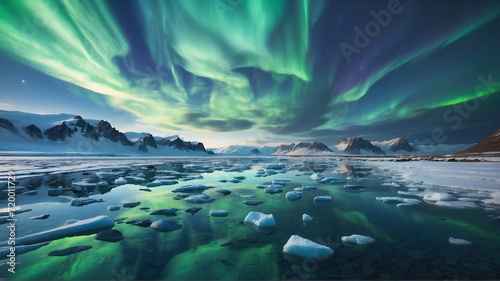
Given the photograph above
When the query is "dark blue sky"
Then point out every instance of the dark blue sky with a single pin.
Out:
(257, 72)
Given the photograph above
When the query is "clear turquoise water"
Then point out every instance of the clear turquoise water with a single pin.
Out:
(411, 243)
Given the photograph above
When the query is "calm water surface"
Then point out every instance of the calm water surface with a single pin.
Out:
(411, 242)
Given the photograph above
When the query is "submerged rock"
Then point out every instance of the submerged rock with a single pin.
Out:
(226, 243)
(193, 210)
(40, 217)
(165, 225)
(69, 251)
(142, 223)
(165, 212)
(321, 199)
(219, 213)
(131, 204)
(198, 199)
(109, 236)
(252, 202)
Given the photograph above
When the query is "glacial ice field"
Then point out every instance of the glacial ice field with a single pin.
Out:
(250, 218)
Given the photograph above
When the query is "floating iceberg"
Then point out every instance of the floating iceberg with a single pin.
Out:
(357, 239)
(302, 247)
(114, 208)
(84, 201)
(120, 181)
(456, 241)
(83, 227)
(391, 184)
(457, 204)
(317, 176)
(273, 188)
(439, 196)
(260, 219)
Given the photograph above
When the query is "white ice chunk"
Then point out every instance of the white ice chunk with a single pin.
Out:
(439, 196)
(391, 184)
(82, 227)
(457, 204)
(457, 241)
(495, 200)
(260, 219)
(120, 181)
(317, 176)
(357, 239)
(306, 248)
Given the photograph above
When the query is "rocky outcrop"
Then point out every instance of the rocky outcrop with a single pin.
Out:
(357, 145)
(34, 132)
(59, 132)
(489, 144)
(112, 134)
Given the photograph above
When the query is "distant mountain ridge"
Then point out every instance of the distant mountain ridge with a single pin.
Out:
(302, 148)
(79, 135)
(358, 146)
(489, 144)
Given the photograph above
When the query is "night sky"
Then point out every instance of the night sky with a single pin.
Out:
(259, 72)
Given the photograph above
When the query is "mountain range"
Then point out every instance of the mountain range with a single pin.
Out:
(69, 134)
(61, 133)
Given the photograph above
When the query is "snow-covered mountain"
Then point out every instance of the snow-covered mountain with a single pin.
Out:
(396, 145)
(68, 134)
(489, 144)
(302, 148)
(242, 150)
(358, 146)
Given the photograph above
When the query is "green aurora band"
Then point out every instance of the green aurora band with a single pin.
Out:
(79, 42)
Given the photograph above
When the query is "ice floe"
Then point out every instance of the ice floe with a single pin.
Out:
(357, 239)
(260, 219)
(306, 248)
(82, 227)
(439, 196)
(192, 188)
(457, 204)
(84, 201)
(165, 212)
(4, 251)
(457, 241)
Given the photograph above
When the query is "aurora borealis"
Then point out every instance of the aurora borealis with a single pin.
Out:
(257, 70)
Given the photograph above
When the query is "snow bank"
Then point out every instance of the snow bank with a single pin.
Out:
(83, 227)
(302, 247)
(260, 219)
(439, 196)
